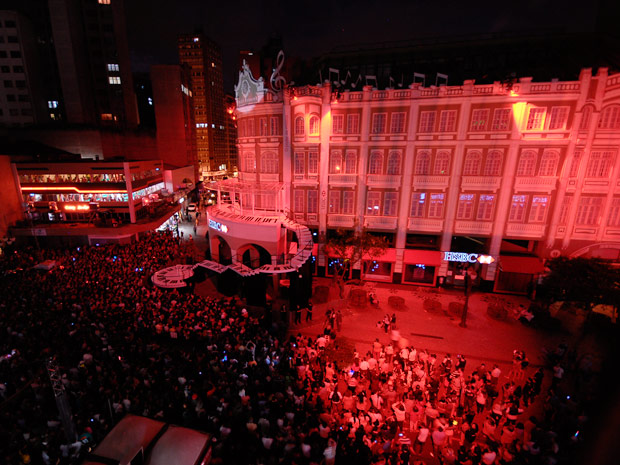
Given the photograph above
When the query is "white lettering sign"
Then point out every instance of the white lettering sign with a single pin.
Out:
(465, 257)
(218, 226)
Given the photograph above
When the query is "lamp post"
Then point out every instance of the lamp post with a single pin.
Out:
(468, 285)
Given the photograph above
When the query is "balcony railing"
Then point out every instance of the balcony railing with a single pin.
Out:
(533, 231)
(383, 180)
(535, 184)
(342, 179)
(473, 227)
(424, 224)
(481, 183)
(380, 222)
(340, 221)
(430, 182)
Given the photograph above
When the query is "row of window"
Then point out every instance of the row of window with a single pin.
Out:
(12, 54)
(16, 112)
(266, 127)
(16, 69)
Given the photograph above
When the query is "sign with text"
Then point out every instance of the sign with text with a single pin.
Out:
(464, 257)
(218, 226)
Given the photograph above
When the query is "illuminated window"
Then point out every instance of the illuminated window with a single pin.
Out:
(373, 203)
(614, 212)
(558, 118)
(113, 67)
(269, 162)
(586, 115)
(52, 104)
(348, 202)
(313, 163)
(535, 119)
(501, 119)
(315, 125)
(338, 124)
(375, 163)
(465, 208)
(493, 163)
(334, 201)
(486, 205)
(393, 163)
(479, 119)
(517, 208)
(527, 163)
(114, 80)
(350, 162)
(538, 210)
(417, 204)
(575, 163)
(299, 126)
(599, 164)
(610, 118)
(589, 211)
(427, 121)
(423, 162)
(353, 124)
(397, 123)
(390, 203)
(313, 201)
(299, 163)
(549, 163)
(335, 162)
(107, 117)
(442, 163)
(378, 123)
(447, 121)
(473, 160)
(435, 207)
(104, 2)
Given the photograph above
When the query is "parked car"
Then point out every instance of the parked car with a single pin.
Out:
(191, 207)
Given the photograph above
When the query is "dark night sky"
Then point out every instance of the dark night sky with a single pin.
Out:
(310, 28)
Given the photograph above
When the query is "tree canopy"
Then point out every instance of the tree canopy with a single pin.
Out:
(353, 247)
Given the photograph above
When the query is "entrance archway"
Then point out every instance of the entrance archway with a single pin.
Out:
(223, 251)
(253, 256)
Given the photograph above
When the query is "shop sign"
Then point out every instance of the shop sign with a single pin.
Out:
(218, 226)
(464, 257)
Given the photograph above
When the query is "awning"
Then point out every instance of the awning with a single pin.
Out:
(389, 255)
(525, 265)
(422, 257)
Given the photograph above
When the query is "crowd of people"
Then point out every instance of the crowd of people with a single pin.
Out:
(126, 346)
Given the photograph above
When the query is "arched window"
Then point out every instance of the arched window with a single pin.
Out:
(442, 163)
(527, 163)
(299, 126)
(350, 162)
(335, 162)
(586, 115)
(610, 118)
(393, 162)
(493, 164)
(375, 163)
(549, 163)
(472, 164)
(314, 125)
(269, 162)
(249, 162)
(423, 163)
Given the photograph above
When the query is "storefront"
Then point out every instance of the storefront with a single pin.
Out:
(461, 263)
(380, 268)
(171, 224)
(421, 266)
(517, 274)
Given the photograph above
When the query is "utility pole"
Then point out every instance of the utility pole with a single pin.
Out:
(62, 403)
(468, 284)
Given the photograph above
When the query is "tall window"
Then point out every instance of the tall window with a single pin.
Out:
(435, 207)
(300, 168)
(422, 162)
(586, 115)
(472, 164)
(262, 126)
(465, 209)
(274, 129)
(250, 127)
(575, 163)
(334, 201)
(589, 210)
(493, 163)
(397, 124)
(390, 203)
(535, 118)
(335, 162)
(348, 202)
(250, 163)
(269, 162)
(315, 125)
(417, 204)
(442, 163)
(610, 118)
(313, 201)
(353, 124)
(565, 210)
(114, 80)
(527, 163)
(501, 119)
(614, 212)
(486, 205)
(517, 208)
(427, 121)
(447, 121)
(299, 201)
(338, 124)
(393, 163)
(538, 210)
(313, 163)
(479, 119)
(375, 163)
(599, 164)
(558, 118)
(350, 162)
(299, 126)
(378, 123)
(549, 163)
(373, 203)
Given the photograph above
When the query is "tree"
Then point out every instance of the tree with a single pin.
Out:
(353, 247)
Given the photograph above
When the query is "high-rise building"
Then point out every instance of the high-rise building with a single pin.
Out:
(174, 114)
(231, 133)
(204, 57)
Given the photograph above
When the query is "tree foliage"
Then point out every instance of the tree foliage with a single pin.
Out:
(586, 282)
(353, 247)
